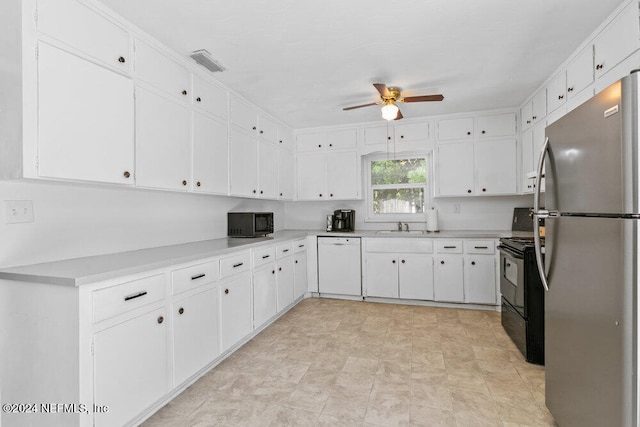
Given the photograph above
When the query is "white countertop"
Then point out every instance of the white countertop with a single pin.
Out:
(80, 271)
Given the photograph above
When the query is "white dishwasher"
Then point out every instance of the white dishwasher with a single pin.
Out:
(339, 266)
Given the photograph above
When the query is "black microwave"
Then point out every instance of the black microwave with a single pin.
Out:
(249, 224)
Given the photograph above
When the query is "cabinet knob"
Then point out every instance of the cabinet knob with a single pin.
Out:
(121, 60)
(529, 186)
(280, 141)
(198, 183)
(226, 291)
(261, 192)
(261, 132)
(473, 263)
(160, 319)
(560, 96)
(570, 89)
(393, 261)
(330, 145)
(254, 128)
(320, 194)
(319, 145)
(184, 182)
(484, 190)
(469, 191)
(483, 132)
(388, 138)
(279, 268)
(535, 117)
(331, 195)
(599, 67)
(528, 121)
(126, 174)
(181, 310)
(184, 92)
(296, 261)
(403, 261)
(198, 99)
(401, 136)
(441, 262)
(273, 272)
(280, 194)
(468, 133)
(254, 191)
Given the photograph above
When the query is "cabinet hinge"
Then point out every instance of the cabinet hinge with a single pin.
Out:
(37, 162)
(35, 52)
(92, 347)
(35, 16)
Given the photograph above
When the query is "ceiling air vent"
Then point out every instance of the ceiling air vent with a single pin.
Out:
(203, 57)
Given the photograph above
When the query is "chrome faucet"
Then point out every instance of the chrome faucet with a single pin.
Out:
(406, 226)
(399, 226)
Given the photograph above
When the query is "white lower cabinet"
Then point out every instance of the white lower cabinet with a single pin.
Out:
(448, 278)
(195, 333)
(265, 296)
(480, 279)
(130, 367)
(285, 280)
(299, 274)
(382, 275)
(235, 310)
(415, 276)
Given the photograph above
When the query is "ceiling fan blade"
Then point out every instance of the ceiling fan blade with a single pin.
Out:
(399, 116)
(424, 98)
(360, 106)
(382, 88)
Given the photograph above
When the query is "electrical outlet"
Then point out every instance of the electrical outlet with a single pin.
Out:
(456, 208)
(18, 211)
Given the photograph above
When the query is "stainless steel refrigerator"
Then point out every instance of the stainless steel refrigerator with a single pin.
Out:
(592, 257)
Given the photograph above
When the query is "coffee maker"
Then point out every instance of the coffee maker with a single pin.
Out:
(344, 220)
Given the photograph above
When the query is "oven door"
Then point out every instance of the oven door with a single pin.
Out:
(512, 278)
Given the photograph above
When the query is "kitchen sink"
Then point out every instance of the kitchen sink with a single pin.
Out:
(398, 232)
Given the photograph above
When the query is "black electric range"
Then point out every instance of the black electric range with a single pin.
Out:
(521, 289)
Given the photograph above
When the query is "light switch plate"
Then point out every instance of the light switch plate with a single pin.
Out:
(18, 211)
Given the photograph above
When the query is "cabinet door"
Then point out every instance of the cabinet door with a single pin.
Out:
(299, 274)
(497, 125)
(264, 295)
(496, 171)
(382, 275)
(454, 166)
(210, 97)
(377, 135)
(285, 175)
(235, 311)
(526, 112)
(580, 72)
(416, 276)
(130, 367)
(285, 276)
(618, 40)
(210, 155)
(244, 164)
(85, 129)
(480, 279)
(267, 170)
(285, 138)
(342, 139)
(411, 132)
(342, 175)
(311, 176)
(75, 24)
(243, 116)
(539, 106)
(311, 141)
(162, 71)
(448, 278)
(163, 153)
(450, 129)
(557, 92)
(527, 160)
(267, 129)
(195, 333)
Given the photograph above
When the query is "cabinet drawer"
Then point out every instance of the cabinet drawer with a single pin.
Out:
(299, 246)
(479, 246)
(399, 244)
(449, 246)
(262, 256)
(196, 275)
(119, 299)
(284, 249)
(234, 264)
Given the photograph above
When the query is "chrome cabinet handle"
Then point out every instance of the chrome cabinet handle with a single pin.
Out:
(538, 214)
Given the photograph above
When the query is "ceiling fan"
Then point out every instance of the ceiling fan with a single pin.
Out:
(389, 96)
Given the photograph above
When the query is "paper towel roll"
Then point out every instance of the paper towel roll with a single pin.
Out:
(432, 220)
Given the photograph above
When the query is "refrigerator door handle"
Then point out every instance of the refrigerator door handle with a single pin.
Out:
(538, 214)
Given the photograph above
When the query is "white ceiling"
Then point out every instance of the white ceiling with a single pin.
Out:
(303, 61)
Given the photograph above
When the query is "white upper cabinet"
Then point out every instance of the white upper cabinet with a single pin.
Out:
(342, 175)
(244, 164)
(580, 72)
(85, 130)
(286, 175)
(267, 170)
(161, 71)
(311, 141)
(210, 155)
(378, 134)
(243, 115)
(285, 138)
(454, 169)
(210, 97)
(535, 110)
(618, 40)
(497, 125)
(345, 139)
(163, 154)
(411, 132)
(76, 25)
(557, 92)
(267, 129)
(312, 176)
(496, 167)
(452, 129)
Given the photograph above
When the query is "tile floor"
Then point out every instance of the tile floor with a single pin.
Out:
(344, 363)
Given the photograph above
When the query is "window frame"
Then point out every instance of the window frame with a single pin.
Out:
(371, 216)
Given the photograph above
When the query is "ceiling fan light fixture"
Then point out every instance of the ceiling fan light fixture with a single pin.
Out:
(389, 111)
